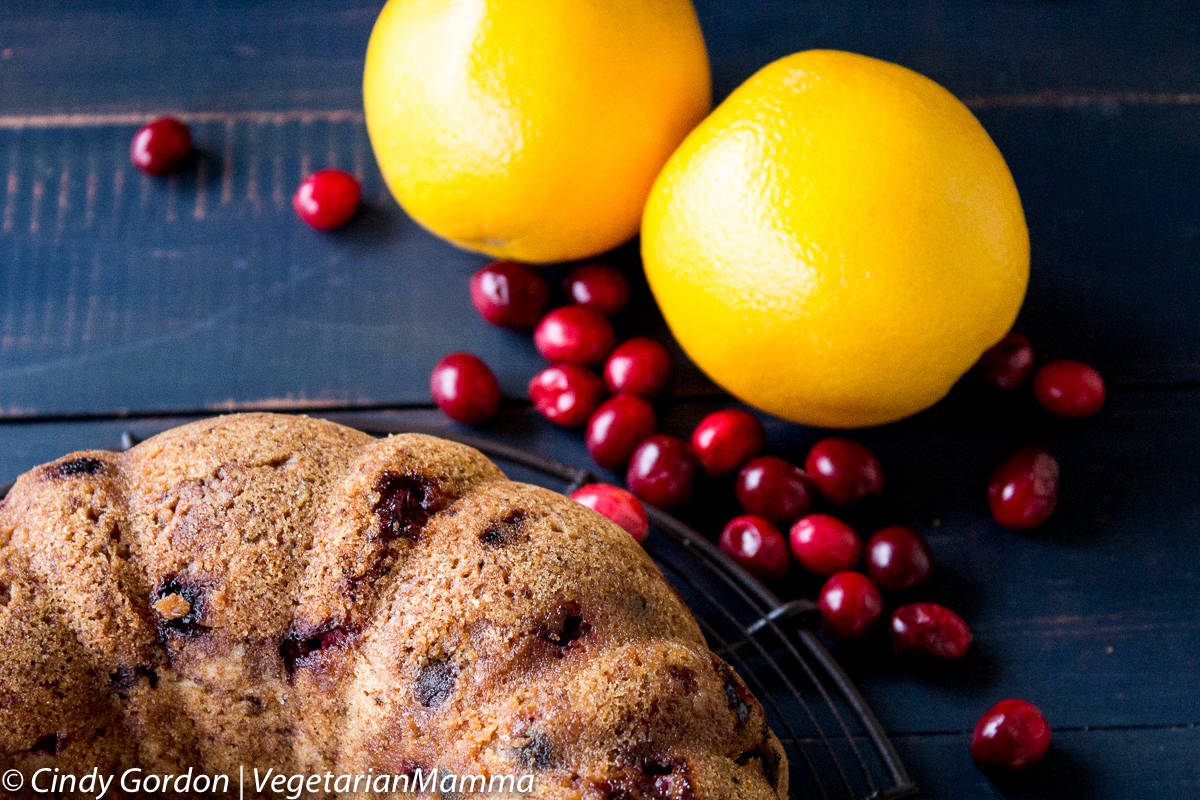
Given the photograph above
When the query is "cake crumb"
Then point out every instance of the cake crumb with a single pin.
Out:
(173, 606)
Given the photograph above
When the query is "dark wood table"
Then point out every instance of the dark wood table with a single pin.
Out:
(127, 302)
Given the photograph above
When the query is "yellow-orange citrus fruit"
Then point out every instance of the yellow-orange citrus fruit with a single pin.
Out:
(838, 242)
(531, 129)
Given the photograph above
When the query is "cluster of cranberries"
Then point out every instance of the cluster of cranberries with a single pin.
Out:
(1023, 490)
(326, 199)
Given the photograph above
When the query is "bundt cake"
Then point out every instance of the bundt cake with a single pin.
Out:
(283, 593)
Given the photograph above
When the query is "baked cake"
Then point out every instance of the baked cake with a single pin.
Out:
(288, 593)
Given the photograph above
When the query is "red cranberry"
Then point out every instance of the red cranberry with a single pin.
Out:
(929, 629)
(510, 295)
(574, 335)
(773, 488)
(661, 471)
(1069, 389)
(844, 470)
(159, 146)
(1008, 363)
(724, 440)
(618, 426)
(1024, 489)
(598, 287)
(616, 504)
(464, 388)
(566, 394)
(825, 544)
(898, 558)
(850, 604)
(327, 199)
(1012, 735)
(638, 366)
(757, 545)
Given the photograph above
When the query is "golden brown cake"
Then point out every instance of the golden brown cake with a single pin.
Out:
(277, 592)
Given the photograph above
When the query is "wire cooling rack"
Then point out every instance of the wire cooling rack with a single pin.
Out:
(836, 747)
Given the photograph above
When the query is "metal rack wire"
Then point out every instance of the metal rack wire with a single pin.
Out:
(836, 747)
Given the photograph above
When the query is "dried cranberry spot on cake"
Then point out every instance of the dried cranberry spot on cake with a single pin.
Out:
(435, 682)
(299, 647)
(653, 779)
(77, 466)
(122, 681)
(738, 696)
(535, 753)
(503, 532)
(566, 626)
(178, 607)
(404, 506)
(684, 676)
(768, 759)
(51, 744)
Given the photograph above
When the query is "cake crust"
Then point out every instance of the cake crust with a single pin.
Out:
(271, 591)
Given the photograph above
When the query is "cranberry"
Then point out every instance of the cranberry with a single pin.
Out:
(638, 366)
(850, 604)
(1024, 489)
(724, 440)
(159, 146)
(898, 558)
(566, 394)
(661, 471)
(327, 199)
(618, 426)
(1012, 735)
(1008, 363)
(598, 287)
(844, 470)
(773, 488)
(464, 388)
(1069, 389)
(510, 295)
(929, 629)
(757, 545)
(574, 335)
(617, 504)
(825, 544)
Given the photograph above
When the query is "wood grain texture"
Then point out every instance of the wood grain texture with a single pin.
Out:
(207, 287)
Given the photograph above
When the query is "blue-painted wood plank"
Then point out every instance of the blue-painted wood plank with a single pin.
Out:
(118, 291)
(67, 56)
(1081, 765)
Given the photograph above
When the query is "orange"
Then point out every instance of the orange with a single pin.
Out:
(531, 129)
(838, 242)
